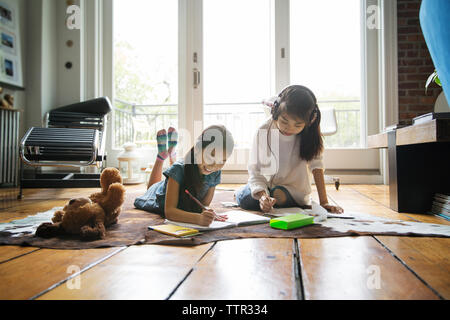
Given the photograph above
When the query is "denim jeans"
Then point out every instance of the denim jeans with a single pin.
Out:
(245, 200)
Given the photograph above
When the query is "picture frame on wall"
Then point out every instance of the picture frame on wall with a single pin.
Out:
(10, 53)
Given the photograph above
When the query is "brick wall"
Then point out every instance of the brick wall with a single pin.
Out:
(414, 64)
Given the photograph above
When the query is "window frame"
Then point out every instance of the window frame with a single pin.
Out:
(190, 102)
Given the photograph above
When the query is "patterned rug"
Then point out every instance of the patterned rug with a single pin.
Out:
(132, 229)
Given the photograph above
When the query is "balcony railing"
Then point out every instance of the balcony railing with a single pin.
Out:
(139, 123)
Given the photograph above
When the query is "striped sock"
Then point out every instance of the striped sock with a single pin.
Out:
(172, 142)
(161, 138)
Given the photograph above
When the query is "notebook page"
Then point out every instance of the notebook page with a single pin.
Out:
(238, 217)
(215, 225)
(280, 212)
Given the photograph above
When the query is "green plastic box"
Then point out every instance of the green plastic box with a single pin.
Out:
(292, 221)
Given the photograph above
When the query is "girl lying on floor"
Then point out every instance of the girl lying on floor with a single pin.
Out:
(199, 173)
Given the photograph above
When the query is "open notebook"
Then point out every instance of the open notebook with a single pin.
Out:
(318, 212)
(235, 218)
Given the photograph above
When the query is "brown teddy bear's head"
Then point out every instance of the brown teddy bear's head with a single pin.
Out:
(77, 214)
(76, 203)
(73, 205)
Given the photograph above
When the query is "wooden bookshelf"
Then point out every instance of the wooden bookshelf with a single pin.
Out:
(437, 130)
(378, 141)
(418, 163)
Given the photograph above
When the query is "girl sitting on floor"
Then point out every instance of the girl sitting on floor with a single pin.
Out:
(296, 122)
(199, 172)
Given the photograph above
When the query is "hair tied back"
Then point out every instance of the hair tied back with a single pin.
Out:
(314, 114)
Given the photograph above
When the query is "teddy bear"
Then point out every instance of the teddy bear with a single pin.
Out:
(89, 217)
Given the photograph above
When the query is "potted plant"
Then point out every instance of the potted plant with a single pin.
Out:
(441, 104)
(433, 77)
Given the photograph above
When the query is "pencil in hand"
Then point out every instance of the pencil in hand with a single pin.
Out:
(216, 216)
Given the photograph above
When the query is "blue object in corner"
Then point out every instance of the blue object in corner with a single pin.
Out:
(434, 20)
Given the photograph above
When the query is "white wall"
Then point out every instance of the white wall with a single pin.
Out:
(48, 84)
(69, 80)
(39, 71)
(49, 59)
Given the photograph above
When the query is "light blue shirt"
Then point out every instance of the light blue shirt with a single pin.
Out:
(155, 197)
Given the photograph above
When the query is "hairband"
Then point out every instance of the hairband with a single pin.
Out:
(315, 111)
(276, 103)
(314, 114)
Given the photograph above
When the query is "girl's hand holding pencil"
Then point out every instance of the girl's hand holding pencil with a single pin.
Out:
(266, 203)
(208, 214)
(206, 217)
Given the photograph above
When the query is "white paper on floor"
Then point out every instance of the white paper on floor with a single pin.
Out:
(372, 224)
(29, 224)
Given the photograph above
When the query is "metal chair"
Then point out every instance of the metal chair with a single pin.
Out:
(328, 123)
(328, 127)
(72, 136)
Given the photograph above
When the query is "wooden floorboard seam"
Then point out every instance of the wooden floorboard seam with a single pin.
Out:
(20, 255)
(300, 292)
(93, 264)
(409, 268)
(387, 248)
(189, 272)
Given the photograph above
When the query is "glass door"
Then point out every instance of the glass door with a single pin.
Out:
(330, 51)
(237, 68)
(195, 63)
(326, 56)
(145, 72)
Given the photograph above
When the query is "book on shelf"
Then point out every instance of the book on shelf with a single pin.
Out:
(442, 198)
(430, 116)
(441, 205)
(438, 210)
(444, 216)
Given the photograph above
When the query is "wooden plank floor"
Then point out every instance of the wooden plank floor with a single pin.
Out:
(427, 258)
(244, 269)
(139, 272)
(380, 267)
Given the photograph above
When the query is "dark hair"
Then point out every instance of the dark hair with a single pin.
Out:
(300, 102)
(193, 179)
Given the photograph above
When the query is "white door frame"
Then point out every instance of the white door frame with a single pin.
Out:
(388, 74)
(191, 100)
(190, 60)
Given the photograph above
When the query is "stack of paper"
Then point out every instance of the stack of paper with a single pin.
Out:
(441, 205)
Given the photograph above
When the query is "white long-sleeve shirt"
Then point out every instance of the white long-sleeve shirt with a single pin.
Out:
(281, 167)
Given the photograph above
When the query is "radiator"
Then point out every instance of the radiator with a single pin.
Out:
(9, 146)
